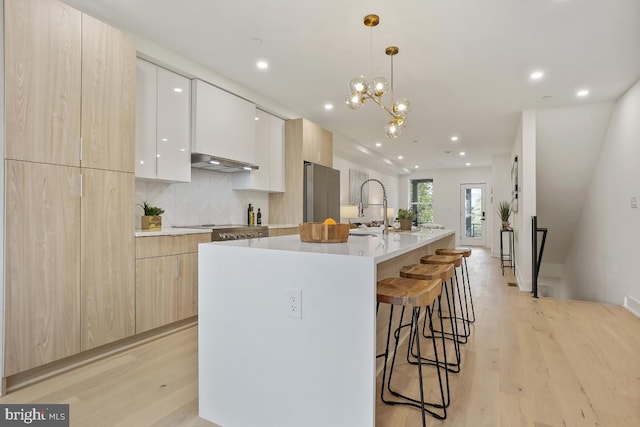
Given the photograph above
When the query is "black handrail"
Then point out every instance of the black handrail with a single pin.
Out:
(536, 257)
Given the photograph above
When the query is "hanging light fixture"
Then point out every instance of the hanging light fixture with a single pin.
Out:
(360, 89)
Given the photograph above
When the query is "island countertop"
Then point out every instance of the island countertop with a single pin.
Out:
(369, 243)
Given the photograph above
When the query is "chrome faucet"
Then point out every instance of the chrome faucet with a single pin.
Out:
(385, 230)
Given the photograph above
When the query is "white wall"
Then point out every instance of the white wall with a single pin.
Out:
(525, 148)
(602, 263)
(446, 193)
(500, 192)
(207, 199)
(375, 191)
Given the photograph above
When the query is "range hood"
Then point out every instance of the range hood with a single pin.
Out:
(213, 163)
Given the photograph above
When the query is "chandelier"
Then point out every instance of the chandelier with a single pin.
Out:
(360, 89)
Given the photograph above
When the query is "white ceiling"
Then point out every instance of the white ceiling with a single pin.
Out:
(463, 64)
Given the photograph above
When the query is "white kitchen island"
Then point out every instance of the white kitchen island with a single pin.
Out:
(260, 367)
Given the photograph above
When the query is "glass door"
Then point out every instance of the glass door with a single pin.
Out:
(472, 214)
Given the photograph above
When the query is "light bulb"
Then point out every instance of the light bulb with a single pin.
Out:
(354, 101)
(380, 86)
(392, 130)
(359, 85)
(402, 107)
(400, 122)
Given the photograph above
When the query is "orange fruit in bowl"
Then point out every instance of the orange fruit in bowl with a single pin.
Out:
(329, 221)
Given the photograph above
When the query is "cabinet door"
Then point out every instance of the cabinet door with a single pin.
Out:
(156, 284)
(42, 66)
(317, 145)
(222, 124)
(187, 285)
(174, 123)
(42, 305)
(108, 257)
(276, 154)
(108, 97)
(146, 102)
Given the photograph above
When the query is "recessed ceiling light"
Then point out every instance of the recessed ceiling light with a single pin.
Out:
(400, 157)
(142, 162)
(157, 155)
(416, 167)
(164, 139)
(263, 65)
(582, 93)
(406, 170)
(183, 149)
(328, 106)
(462, 153)
(467, 164)
(454, 138)
(378, 144)
(536, 75)
(214, 162)
(387, 161)
(257, 118)
(177, 89)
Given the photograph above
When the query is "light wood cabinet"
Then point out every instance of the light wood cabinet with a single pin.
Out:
(108, 254)
(42, 305)
(274, 232)
(163, 124)
(223, 124)
(269, 152)
(42, 81)
(108, 97)
(304, 141)
(166, 279)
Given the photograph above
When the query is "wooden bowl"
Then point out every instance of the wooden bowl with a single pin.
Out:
(317, 232)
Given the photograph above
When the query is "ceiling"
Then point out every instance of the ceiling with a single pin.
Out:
(463, 64)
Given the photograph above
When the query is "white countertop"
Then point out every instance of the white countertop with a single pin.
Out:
(170, 231)
(271, 226)
(370, 243)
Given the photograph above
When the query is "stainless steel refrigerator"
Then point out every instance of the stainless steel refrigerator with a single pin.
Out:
(321, 193)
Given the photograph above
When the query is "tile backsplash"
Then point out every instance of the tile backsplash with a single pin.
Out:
(208, 199)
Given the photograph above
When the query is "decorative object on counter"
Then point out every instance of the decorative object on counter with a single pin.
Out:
(152, 218)
(250, 216)
(504, 212)
(361, 89)
(324, 232)
(405, 218)
(384, 204)
(349, 212)
(259, 217)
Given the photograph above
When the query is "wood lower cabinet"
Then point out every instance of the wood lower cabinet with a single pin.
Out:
(42, 305)
(108, 257)
(166, 279)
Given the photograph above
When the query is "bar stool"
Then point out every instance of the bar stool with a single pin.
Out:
(456, 260)
(444, 273)
(414, 294)
(466, 253)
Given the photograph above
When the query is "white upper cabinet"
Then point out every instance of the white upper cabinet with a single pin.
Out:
(163, 124)
(269, 150)
(223, 124)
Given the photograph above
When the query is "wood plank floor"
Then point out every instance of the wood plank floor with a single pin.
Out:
(535, 363)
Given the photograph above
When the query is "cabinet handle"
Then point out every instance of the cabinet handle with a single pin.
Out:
(80, 185)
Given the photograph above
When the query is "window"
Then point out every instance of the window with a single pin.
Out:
(421, 196)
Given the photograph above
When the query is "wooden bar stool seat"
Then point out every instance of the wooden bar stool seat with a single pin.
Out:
(414, 294)
(428, 271)
(456, 260)
(466, 253)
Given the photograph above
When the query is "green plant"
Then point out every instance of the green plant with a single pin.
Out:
(151, 210)
(504, 211)
(406, 214)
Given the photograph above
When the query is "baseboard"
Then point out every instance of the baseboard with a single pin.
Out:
(633, 305)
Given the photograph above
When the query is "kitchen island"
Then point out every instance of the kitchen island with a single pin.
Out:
(262, 364)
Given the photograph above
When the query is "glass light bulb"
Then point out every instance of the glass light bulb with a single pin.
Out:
(401, 106)
(379, 86)
(359, 85)
(400, 121)
(354, 101)
(392, 130)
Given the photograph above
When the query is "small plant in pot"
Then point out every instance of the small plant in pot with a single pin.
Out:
(405, 218)
(152, 219)
(504, 212)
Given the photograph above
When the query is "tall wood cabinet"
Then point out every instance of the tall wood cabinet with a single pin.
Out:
(69, 222)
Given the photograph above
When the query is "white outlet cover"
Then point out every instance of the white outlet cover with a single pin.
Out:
(293, 306)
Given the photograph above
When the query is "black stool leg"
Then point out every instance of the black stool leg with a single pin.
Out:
(473, 311)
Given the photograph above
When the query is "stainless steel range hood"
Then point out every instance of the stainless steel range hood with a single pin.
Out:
(213, 163)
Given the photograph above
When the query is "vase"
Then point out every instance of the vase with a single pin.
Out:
(405, 223)
(151, 222)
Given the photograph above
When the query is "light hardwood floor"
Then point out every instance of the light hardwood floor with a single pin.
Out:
(529, 362)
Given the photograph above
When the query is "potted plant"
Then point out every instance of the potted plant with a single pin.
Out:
(504, 212)
(152, 219)
(405, 218)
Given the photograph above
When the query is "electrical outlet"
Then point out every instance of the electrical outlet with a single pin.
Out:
(294, 303)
